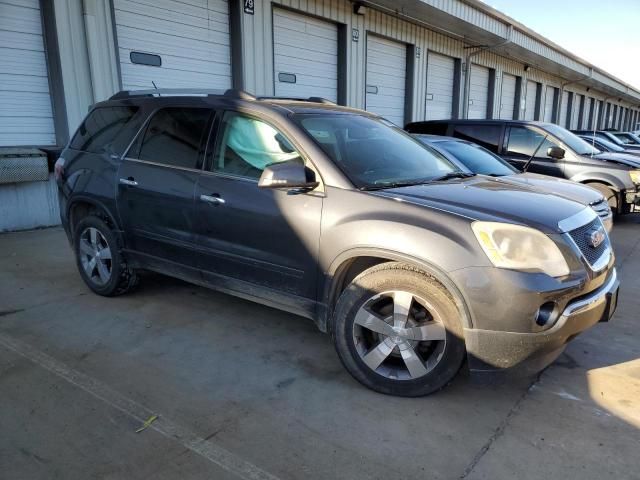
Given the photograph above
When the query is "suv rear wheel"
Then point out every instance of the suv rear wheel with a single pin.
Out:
(99, 260)
(398, 331)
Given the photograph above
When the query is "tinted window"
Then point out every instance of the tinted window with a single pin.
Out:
(372, 153)
(176, 137)
(487, 136)
(571, 140)
(101, 127)
(428, 128)
(248, 145)
(524, 143)
(478, 159)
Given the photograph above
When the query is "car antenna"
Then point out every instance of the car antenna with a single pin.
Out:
(526, 165)
(155, 86)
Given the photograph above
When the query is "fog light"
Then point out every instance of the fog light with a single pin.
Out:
(543, 317)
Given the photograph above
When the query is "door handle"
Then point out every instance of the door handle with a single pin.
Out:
(213, 199)
(129, 181)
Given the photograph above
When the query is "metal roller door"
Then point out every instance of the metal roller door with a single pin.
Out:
(478, 92)
(305, 56)
(440, 84)
(176, 44)
(587, 116)
(26, 116)
(564, 109)
(507, 97)
(386, 77)
(575, 111)
(530, 101)
(548, 103)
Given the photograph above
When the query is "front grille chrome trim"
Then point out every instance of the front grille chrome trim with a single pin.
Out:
(578, 220)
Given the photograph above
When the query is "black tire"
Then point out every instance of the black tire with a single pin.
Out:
(122, 278)
(398, 277)
(610, 195)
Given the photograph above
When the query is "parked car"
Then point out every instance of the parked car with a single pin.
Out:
(605, 145)
(476, 159)
(549, 149)
(331, 213)
(608, 135)
(628, 138)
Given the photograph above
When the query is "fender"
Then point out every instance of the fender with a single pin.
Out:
(96, 203)
(602, 177)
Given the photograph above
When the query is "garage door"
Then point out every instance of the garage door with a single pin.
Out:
(386, 73)
(588, 113)
(507, 97)
(478, 92)
(575, 111)
(440, 84)
(26, 116)
(305, 56)
(530, 102)
(548, 103)
(564, 107)
(176, 44)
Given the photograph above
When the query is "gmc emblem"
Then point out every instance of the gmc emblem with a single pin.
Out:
(595, 237)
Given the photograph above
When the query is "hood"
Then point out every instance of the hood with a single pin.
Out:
(557, 186)
(619, 158)
(489, 199)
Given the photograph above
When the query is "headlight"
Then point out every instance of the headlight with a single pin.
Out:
(520, 248)
(635, 176)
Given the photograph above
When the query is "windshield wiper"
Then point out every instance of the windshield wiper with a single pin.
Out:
(451, 175)
(421, 181)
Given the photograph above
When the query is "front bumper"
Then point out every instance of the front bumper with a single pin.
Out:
(490, 350)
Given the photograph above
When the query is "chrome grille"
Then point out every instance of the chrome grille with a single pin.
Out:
(601, 208)
(580, 237)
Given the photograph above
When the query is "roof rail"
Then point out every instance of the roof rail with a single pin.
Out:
(180, 92)
(300, 99)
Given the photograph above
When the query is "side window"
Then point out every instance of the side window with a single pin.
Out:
(487, 136)
(248, 145)
(524, 142)
(176, 137)
(101, 127)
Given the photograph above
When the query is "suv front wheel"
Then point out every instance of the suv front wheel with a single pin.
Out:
(398, 331)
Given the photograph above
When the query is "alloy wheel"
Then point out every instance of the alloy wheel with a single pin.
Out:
(95, 256)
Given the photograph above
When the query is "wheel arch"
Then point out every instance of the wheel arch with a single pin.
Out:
(80, 206)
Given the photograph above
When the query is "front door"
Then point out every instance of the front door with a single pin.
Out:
(265, 237)
(157, 181)
(523, 143)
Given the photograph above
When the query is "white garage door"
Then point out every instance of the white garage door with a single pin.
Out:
(386, 72)
(305, 55)
(548, 103)
(588, 105)
(530, 102)
(507, 97)
(575, 111)
(564, 109)
(26, 117)
(190, 38)
(440, 83)
(478, 92)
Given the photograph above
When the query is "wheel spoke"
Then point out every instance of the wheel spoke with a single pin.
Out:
(89, 267)
(430, 331)
(86, 248)
(371, 322)
(412, 360)
(401, 306)
(377, 355)
(93, 233)
(105, 254)
(103, 272)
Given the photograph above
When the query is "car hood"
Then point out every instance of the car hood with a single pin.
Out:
(557, 186)
(489, 199)
(620, 158)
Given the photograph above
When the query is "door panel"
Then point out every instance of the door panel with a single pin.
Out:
(386, 78)
(508, 97)
(440, 86)
(478, 92)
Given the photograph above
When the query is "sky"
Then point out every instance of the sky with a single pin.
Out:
(603, 32)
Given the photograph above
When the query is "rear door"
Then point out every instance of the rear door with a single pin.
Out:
(157, 180)
(255, 236)
(523, 143)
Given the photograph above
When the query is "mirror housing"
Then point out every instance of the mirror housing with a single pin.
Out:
(556, 152)
(289, 175)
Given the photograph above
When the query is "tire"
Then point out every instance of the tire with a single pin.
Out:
(378, 292)
(609, 194)
(105, 273)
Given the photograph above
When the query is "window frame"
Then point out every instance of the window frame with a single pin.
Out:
(539, 131)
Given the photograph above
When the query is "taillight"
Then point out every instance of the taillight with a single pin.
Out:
(58, 168)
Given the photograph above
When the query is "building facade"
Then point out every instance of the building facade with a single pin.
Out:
(407, 60)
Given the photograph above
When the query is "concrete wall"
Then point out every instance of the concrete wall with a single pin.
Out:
(39, 199)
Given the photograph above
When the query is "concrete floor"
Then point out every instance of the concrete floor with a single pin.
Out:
(244, 391)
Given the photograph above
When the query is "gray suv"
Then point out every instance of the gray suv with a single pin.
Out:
(411, 264)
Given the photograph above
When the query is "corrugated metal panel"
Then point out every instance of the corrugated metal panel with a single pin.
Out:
(440, 83)
(507, 97)
(530, 102)
(386, 72)
(305, 54)
(575, 113)
(548, 103)
(478, 92)
(191, 37)
(26, 117)
(564, 109)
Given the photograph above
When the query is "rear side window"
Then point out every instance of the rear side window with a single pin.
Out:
(487, 136)
(175, 137)
(101, 127)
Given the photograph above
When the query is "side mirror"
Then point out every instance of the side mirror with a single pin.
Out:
(288, 175)
(556, 152)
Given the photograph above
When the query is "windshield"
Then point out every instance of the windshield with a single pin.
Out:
(627, 138)
(478, 159)
(605, 143)
(572, 141)
(374, 154)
